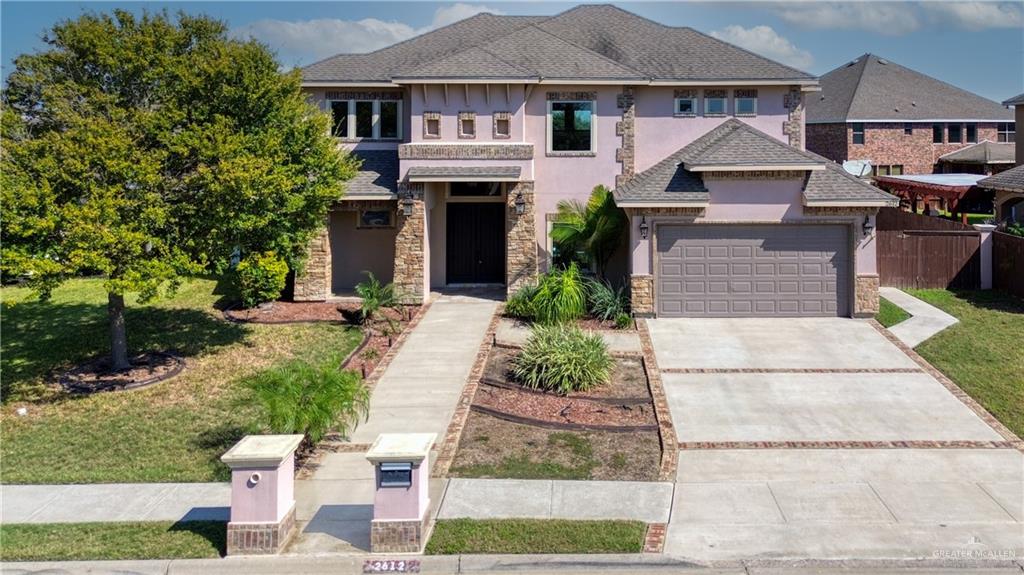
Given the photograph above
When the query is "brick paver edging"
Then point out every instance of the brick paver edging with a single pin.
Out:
(910, 444)
(450, 443)
(654, 539)
(702, 370)
(953, 388)
(666, 430)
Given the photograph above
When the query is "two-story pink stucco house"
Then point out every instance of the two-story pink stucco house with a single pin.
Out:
(471, 134)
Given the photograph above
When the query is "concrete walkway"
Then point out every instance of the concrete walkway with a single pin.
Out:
(512, 332)
(546, 499)
(114, 502)
(926, 320)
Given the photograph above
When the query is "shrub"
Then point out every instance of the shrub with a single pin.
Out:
(261, 277)
(1015, 229)
(520, 305)
(623, 321)
(562, 359)
(561, 296)
(375, 295)
(605, 302)
(297, 397)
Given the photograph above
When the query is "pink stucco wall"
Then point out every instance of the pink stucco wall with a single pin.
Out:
(266, 501)
(478, 103)
(403, 503)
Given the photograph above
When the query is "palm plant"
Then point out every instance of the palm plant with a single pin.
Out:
(375, 296)
(592, 229)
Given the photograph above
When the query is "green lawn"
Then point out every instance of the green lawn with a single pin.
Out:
(982, 353)
(173, 431)
(890, 314)
(972, 218)
(453, 536)
(97, 541)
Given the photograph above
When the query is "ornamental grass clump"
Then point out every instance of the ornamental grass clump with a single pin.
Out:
(520, 303)
(562, 359)
(605, 302)
(561, 296)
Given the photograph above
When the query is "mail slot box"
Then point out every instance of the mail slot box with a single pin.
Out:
(395, 474)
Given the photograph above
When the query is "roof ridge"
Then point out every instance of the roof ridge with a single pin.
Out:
(742, 49)
(585, 49)
(483, 47)
(860, 78)
(417, 36)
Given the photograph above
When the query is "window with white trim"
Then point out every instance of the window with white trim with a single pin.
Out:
(571, 126)
(686, 107)
(715, 103)
(858, 133)
(745, 102)
(1006, 132)
(366, 119)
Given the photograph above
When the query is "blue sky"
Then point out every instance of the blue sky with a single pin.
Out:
(978, 46)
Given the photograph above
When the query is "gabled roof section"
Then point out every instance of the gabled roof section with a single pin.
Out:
(735, 145)
(585, 43)
(984, 152)
(875, 89)
(665, 182)
(1011, 180)
(834, 185)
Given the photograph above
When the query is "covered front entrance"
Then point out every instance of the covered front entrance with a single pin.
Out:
(475, 241)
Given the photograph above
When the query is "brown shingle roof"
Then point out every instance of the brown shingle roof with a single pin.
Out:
(984, 152)
(1011, 180)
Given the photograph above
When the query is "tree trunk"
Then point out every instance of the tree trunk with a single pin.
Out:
(118, 338)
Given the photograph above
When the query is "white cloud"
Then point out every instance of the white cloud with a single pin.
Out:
(887, 18)
(765, 41)
(978, 15)
(304, 41)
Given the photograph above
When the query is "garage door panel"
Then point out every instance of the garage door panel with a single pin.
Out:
(757, 270)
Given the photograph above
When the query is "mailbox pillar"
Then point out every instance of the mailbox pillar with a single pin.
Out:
(401, 499)
(262, 493)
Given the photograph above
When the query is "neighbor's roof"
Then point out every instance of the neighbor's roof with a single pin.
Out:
(592, 42)
(1017, 100)
(377, 176)
(875, 89)
(1011, 180)
(672, 181)
(984, 152)
(951, 180)
(476, 173)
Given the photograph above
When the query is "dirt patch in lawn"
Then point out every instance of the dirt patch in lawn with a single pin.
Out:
(294, 312)
(146, 369)
(495, 448)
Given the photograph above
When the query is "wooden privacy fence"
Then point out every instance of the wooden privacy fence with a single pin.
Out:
(1008, 263)
(916, 251)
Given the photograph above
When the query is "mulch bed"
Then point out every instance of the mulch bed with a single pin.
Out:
(586, 323)
(294, 312)
(96, 376)
(380, 336)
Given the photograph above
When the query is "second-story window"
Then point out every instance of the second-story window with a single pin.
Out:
(955, 133)
(339, 119)
(908, 129)
(937, 133)
(389, 120)
(467, 125)
(745, 102)
(366, 119)
(858, 133)
(715, 102)
(1006, 132)
(685, 103)
(570, 126)
(972, 133)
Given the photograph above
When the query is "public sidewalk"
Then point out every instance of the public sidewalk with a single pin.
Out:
(926, 320)
(114, 502)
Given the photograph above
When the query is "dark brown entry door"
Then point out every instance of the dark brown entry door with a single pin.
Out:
(475, 243)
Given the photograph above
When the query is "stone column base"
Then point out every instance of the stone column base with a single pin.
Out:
(398, 536)
(641, 295)
(865, 297)
(260, 538)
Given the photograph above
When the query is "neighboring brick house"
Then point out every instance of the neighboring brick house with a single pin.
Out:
(473, 133)
(900, 120)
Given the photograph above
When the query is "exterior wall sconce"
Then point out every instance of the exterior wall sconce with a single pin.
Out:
(868, 226)
(644, 229)
(520, 204)
(407, 206)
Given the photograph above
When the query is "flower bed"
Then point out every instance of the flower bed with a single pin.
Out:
(294, 312)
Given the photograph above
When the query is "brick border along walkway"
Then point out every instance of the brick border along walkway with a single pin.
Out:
(953, 388)
(701, 370)
(912, 444)
(666, 429)
(654, 539)
(450, 443)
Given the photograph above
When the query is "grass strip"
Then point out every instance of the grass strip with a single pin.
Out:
(112, 541)
(518, 536)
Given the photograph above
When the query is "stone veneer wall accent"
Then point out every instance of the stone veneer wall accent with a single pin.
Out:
(364, 95)
(399, 536)
(314, 283)
(465, 152)
(359, 205)
(410, 260)
(571, 96)
(651, 212)
(839, 211)
(501, 116)
(260, 538)
(793, 127)
(641, 295)
(463, 116)
(521, 245)
(626, 128)
(865, 303)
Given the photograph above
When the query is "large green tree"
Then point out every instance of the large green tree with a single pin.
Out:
(147, 148)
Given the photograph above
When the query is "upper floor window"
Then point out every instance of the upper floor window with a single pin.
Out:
(896, 170)
(685, 103)
(431, 125)
(1006, 132)
(745, 102)
(715, 102)
(858, 133)
(955, 135)
(972, 133)
(366, 119)
(467, 125)
(570, 126)
(908, 129)
(937, 134)
(502, 125)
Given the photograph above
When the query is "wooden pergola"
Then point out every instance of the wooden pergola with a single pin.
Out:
(949, 187)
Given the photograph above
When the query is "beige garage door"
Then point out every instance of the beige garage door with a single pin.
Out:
(756, 271)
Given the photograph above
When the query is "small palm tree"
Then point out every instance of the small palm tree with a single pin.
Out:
(592, 229)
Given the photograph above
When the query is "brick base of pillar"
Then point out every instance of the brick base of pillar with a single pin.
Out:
(260, 538)
(389, 536)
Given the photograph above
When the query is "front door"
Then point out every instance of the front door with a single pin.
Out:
(475, 243)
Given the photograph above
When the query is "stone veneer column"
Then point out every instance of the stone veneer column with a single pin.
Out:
(626, 128)
(865, 300)
(314, 283)
(793, 127)
(521, 240)
(410, 258)
(641, 295)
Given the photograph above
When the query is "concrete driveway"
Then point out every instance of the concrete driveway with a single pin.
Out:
(818, 438)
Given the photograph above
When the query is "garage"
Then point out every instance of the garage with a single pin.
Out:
(752, 270)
